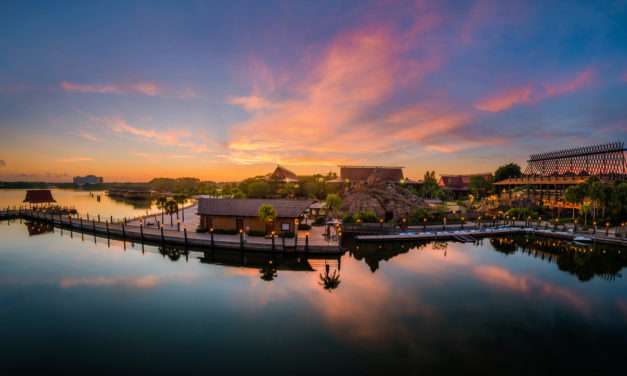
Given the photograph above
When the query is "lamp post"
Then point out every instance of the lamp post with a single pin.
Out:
(607, 228)
(594, 227)
(424, 224)
(479, 222)
(575, 225)
(462, 219)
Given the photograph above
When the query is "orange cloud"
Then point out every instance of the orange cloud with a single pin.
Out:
(250, 103)
(75, 159)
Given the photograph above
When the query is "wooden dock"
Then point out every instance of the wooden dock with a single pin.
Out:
(140, 234)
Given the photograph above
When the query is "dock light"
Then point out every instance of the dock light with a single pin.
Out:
(241, 230)
(381, 220)
(307, 234)
(211, 229)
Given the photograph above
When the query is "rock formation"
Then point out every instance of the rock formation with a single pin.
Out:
(386, 200)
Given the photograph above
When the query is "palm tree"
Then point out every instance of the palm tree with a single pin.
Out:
(574, 195)
(333, 203)
(180, 199)
(171, 207)
(329, 281)
(161, 203)
(267, 214)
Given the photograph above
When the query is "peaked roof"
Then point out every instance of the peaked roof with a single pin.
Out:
(282, 173)
(38, 196)
(249, 207)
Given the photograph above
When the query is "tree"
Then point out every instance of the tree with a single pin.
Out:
(479, 185)
(333, 202)
(574, 195)
(180, 199)
(510, 170)
(161, 203)
(171, 207)
(267, 213)
(258, 189)
(430, 187)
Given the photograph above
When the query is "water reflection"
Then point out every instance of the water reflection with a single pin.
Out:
(583, 261)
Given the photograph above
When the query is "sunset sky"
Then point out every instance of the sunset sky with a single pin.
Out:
(225, 90)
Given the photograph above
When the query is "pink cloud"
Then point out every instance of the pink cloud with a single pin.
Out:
(582, 80)
(506, 100)
(142, 88)
(323, 116)
(528, 285)
(171, 137)
(534, 93)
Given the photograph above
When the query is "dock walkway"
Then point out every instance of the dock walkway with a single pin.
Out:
(139, 233)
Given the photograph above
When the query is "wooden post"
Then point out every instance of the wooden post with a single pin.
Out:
(283, 242)
(296, 240)
(241, 238)
(272, 240)
(123, 232)
(98, 217)
(93, 226)
(111, 219)
(107, 224)
(162, 237)
(212, 242)
(81, 219)
(185, 235)
(307, 242)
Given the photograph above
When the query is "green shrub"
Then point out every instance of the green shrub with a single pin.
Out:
(368, 216)
(256, 233)
(201, 230)
(348, 218)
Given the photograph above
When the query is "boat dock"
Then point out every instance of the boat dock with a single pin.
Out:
(161, 236)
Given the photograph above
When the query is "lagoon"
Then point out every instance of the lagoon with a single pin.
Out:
(77, 303)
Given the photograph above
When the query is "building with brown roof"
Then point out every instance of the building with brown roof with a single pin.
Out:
(39, 196)
(284, 175)
(369, 174)
(460, 184)
(231, 214)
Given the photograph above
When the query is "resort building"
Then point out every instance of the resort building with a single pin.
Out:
(231, 214)
(87, 180)
(459, 185)
(38, 197)
(547, 175)
(283, 175)
(371, 174)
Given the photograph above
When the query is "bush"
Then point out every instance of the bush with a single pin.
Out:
(348, 218)
(287, 234)
(368, 217)
(256, 233)
(201, 230)
(226, 232)
(320, 221)
(304, 226)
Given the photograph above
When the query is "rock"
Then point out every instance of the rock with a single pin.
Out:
(384, 199)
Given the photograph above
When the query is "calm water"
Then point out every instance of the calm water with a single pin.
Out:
(69, 303)
(86, 203)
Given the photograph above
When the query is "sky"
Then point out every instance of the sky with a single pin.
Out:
(132, 90)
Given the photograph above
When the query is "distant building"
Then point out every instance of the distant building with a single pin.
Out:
(38, 196)
(87, 180)
(371, 174)
(459, 184)
(284, 175)
(231, 214)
